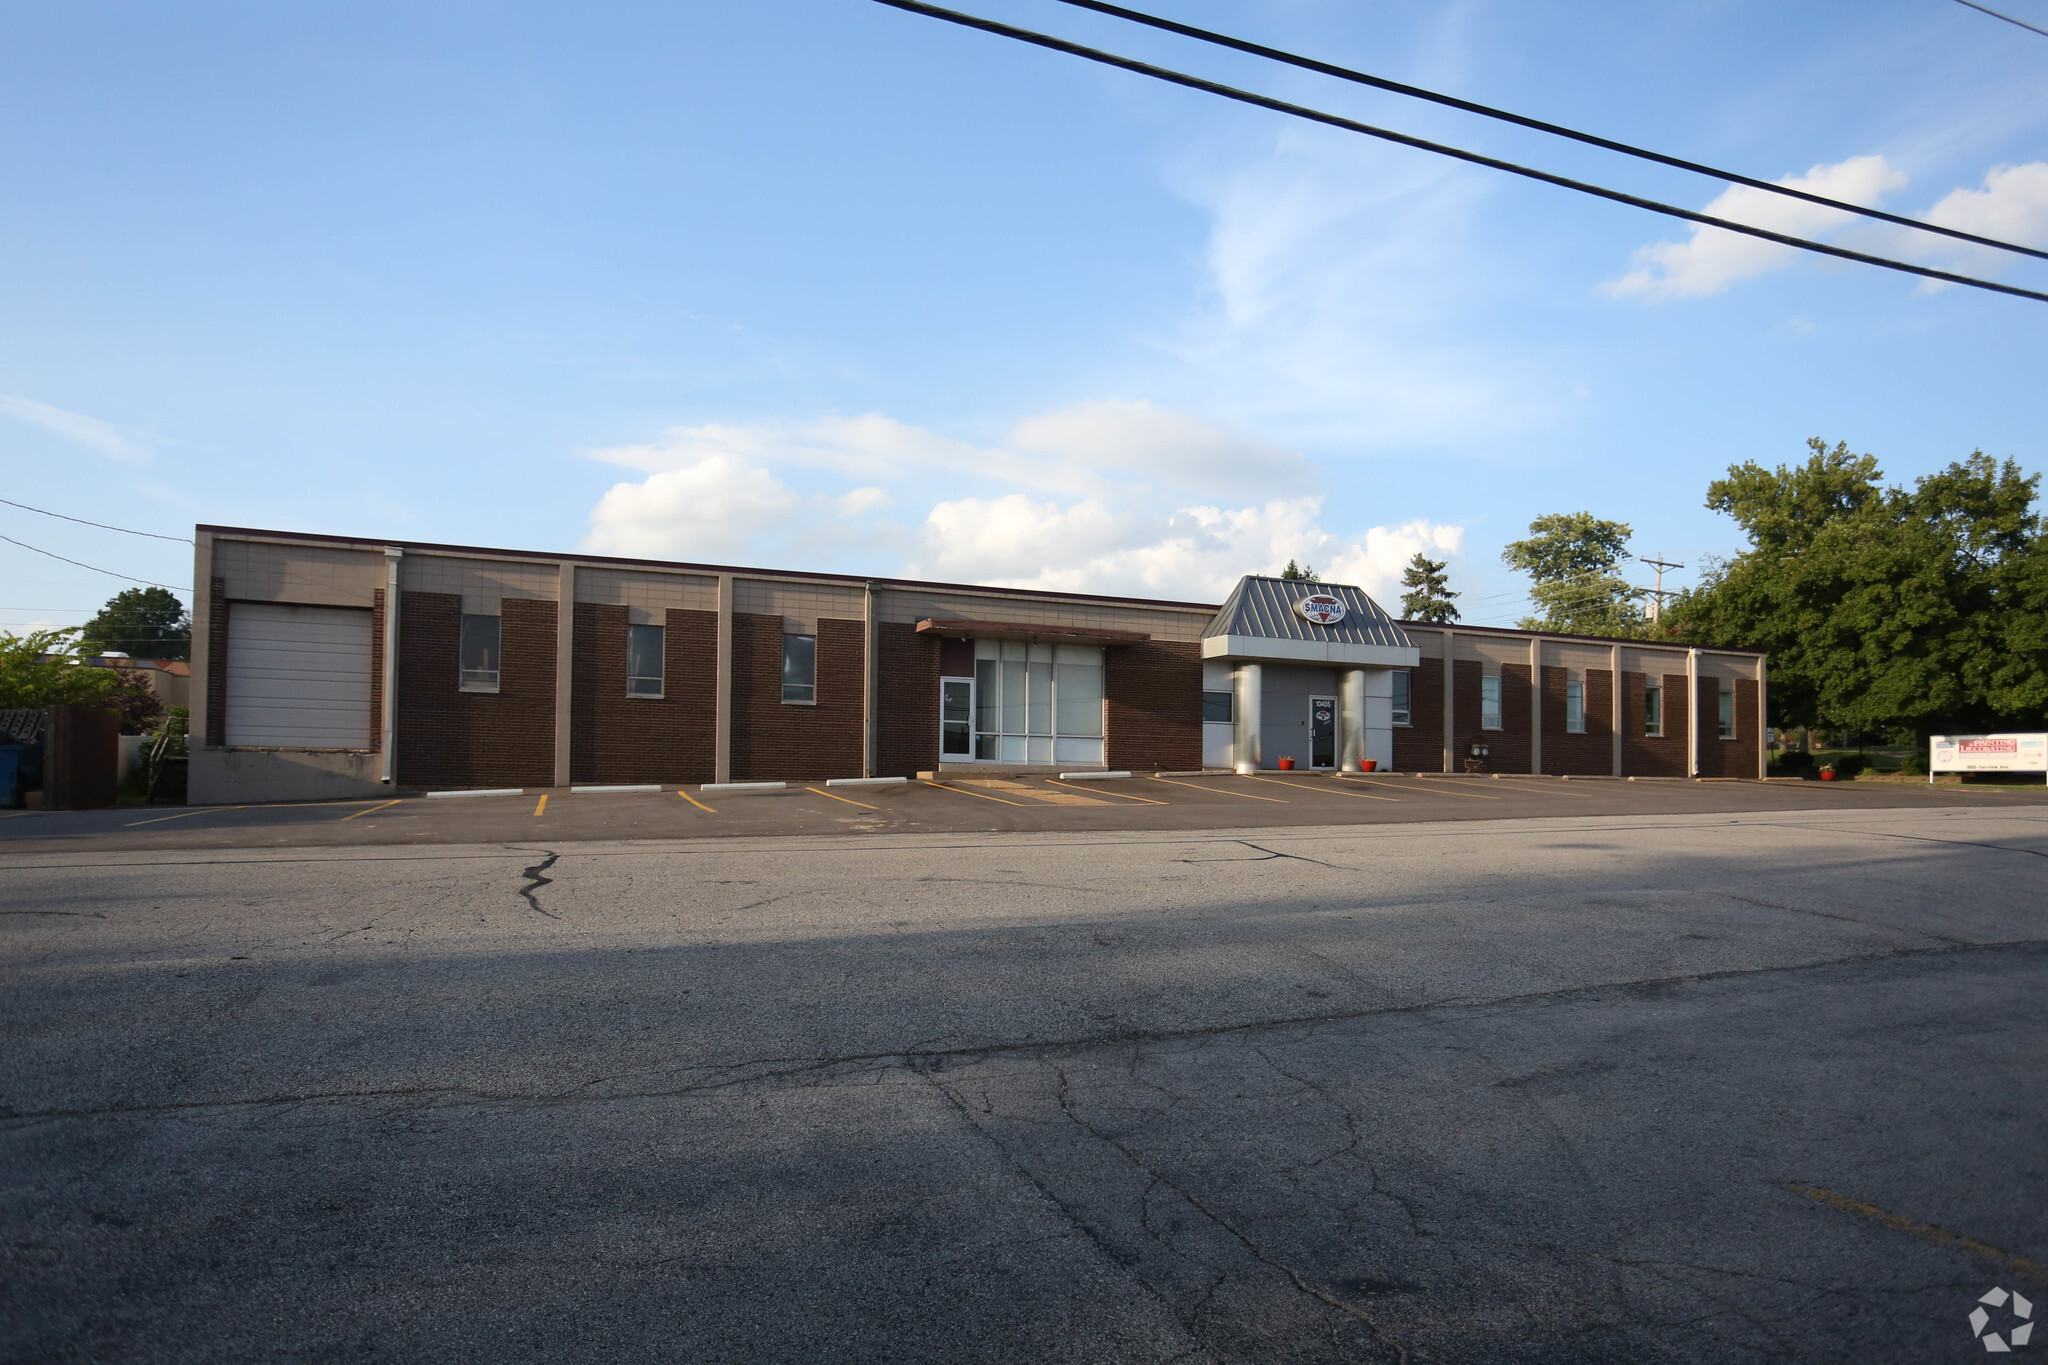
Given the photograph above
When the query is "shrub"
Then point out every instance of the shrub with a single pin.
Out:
(1795, 763)
(1914, 764)
(1848, 765)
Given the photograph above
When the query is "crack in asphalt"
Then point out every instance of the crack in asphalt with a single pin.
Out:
(784, 1068)
(535, 881)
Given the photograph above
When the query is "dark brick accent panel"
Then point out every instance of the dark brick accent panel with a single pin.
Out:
(217, 665)
(1152, 712)
(1507, 747)
(1590, 754)
(909, 684)
(377, 671)
(1419, 745)
(1743, 755)
(451, 738)
(775, 741)
(1727, 757)
(1649, 756)
(617, 738)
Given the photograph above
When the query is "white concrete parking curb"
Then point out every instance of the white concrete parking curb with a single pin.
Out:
(594, 791)
(1071, 777)
(864, 781)
(481, 791)
(742, 786)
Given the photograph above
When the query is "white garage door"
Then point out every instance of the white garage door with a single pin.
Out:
(298, 677)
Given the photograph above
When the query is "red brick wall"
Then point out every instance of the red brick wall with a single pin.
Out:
(776, 741)
(1152, 717)
(1743, 755)
(617, 738)
(1643, 755)
(451, 738)
(909, 684)
(1727, 757)
(1590, 754)
(1507, 747)
(217, 664)
(1419, 745)
(377, 671)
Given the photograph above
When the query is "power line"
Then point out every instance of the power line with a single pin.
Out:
(101, 524)
(1555, 129)
(95, 568)
(1992, 12)
(1229, 92)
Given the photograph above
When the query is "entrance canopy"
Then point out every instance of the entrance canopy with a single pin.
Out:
(1290, 620)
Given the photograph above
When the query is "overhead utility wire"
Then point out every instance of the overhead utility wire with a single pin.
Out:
(101, 524)
(94, 567)
(1992, 12)
(1229, 92)
(1558, 130)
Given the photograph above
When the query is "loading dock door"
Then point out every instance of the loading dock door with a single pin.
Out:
(298, 677)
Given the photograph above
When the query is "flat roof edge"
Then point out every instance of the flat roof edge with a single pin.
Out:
(1580, 639)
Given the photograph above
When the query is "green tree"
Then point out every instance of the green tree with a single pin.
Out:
(1429, 596)
(41, 668)
(1303, 573)
(146, 623)
(1882, 607)
(1572, 559)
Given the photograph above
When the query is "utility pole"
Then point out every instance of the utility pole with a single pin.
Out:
(1657, 593)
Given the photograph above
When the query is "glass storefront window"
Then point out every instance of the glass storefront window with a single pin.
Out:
(1037, 703)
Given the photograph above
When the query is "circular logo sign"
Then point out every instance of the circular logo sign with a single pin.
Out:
(1322, 609)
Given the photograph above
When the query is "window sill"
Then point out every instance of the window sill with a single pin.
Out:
(788, 701)
(645, 696)
(486, 691)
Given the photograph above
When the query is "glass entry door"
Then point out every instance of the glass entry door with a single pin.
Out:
(956, 719)
(1322, 732)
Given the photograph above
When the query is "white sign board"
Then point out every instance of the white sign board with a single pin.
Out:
(1989, 754)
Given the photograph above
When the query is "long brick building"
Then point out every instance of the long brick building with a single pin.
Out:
(332, 666)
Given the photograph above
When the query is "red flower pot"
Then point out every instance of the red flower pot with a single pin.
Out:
(1286, 765)
(1370, 765)
(1827, 774)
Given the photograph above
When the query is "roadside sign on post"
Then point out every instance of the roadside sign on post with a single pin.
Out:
(1987, 754)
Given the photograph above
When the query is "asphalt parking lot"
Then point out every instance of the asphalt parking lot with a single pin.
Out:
(1709, 1085)
(1034, 804)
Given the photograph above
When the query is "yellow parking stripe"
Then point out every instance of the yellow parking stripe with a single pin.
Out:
(1283, 782)
(1534, 781)
(964, 792)
(1249, 796)
(847, 799)
(542, 804)
(386, 805)
(1125, 795)
(1477, 796)
(181, 815)
(693, 800)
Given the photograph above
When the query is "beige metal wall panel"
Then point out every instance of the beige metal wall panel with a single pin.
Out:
(1494, 650)
(1430, 642)
(1728, 665)
(799, 604)
(1650, 661)
(647, 597)
(907, 606)
(1576, 656)
(309, 575)
(481, 583)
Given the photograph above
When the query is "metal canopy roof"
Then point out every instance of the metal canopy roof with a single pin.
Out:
(1263, 609)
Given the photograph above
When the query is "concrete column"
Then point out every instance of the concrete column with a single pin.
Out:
(1615, 670)
(1692, 713)
(871, 701)
(1536, 706)
(200, 714)
(1351, 720)
(721, 741)
(1249, 681)
(393, 600)
(1763, 723)
(1450, 709)
(565, 667)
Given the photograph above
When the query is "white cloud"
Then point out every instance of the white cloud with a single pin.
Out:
(112, 441)
(2012, 207)
(1711, 259)
(1139, 525)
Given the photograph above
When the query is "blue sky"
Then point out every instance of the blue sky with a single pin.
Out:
(819, 284)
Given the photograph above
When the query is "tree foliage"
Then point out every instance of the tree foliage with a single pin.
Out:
(1884, 607)
(1573, 559)
(1429, 596)
(145, 623)
(41, 669)
(1302, 573)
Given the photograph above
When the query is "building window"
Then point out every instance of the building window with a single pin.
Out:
(1038, 703)
(1489, 702)
(1216, 708)
(1575, 707)
(1728, 713)
(643, 661)
(479, 655)
(1402, 681)
(1653, 709)
(800, 668)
